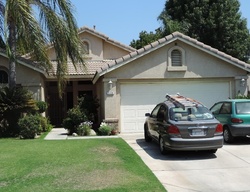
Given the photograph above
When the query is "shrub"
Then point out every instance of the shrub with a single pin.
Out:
(89, 106)
(42, 106)
(74, 119)
(242, 97)
(13, 103)
(104, 129)
(45, 124)
(30, 126)
(84, 128)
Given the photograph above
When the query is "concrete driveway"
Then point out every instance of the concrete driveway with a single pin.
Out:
(226, 171)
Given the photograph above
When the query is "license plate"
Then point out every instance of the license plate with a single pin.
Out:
(198, 132)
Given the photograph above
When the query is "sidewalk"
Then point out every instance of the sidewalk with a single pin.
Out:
(57, 134)
(61, 134)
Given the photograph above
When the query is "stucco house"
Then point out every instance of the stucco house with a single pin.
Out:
(129, 82)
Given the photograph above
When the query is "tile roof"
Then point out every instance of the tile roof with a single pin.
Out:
(88, 69)
(162, 42)
(26, 62)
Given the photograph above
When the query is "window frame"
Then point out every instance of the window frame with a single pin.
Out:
(87, 54)
(183, 66)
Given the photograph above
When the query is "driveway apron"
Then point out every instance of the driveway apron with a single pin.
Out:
(228, 170)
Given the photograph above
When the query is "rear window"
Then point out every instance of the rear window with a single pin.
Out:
(190, 114)
(242, 107)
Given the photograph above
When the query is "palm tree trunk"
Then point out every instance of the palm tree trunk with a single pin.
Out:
(12, 55)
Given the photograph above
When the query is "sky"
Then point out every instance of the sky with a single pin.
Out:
(123, 20)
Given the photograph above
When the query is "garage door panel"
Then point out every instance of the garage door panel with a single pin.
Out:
(140, 98)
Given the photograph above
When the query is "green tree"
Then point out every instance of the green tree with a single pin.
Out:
(217, 23)
(146, 38)
(29, 25)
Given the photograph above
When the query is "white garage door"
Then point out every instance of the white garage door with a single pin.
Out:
(140, 98)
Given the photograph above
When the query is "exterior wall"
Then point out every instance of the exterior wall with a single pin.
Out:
(99, 94)
(27, 77)
(101, 49)
(111, 104)
(153, 67)
(112, 52)
(95, 46)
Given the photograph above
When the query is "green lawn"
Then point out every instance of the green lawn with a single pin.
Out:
(73, 165)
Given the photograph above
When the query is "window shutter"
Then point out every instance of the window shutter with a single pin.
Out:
(176, 58)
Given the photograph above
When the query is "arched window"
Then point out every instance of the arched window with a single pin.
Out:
(3, 77)
(176, 59)
(85, 46)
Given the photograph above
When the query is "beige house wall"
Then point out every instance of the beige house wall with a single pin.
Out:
(153, 67)
(27, 77)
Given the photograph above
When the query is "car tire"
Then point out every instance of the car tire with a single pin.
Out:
(147, 137)
(228, 138)
(162, 146)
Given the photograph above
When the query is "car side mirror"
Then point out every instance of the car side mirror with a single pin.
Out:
(147, 114)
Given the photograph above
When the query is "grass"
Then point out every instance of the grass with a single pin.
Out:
(73, 165)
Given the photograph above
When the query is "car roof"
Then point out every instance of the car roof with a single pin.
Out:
(235, 100)
(181, 101)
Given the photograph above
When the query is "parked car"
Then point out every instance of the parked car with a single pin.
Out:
(181, 123)
(234, 115)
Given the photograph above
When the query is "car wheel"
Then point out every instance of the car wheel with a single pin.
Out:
(147, 137)
(228, 138)
(162, 147)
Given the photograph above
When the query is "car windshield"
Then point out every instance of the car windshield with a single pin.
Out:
(190, 113)
(242, 107)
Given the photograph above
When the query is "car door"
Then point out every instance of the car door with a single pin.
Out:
(222, 112)
(161, 121)
(152, 121)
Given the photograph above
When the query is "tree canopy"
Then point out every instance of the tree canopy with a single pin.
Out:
(217, 23)
(29, 25)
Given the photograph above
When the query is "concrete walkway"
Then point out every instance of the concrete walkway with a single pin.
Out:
(61, 134)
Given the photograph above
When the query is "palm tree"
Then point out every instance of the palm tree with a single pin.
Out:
(29, 25)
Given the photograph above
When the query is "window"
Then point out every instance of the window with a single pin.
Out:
(155, 111)
(226, 108)
(3, 77)
(242, 107)
(85, 46)
(176, 59)
(216, 108)
(161, 116)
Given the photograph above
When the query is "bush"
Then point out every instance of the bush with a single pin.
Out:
(84, 128)
(89, 106)
(74, 119)
(30, 126)
(42, 106)
(104, 129)
(45, 124)
(13, 103)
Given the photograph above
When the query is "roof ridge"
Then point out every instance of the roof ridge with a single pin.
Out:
(82, 29)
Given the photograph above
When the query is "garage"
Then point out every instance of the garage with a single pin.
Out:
(140, 98)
